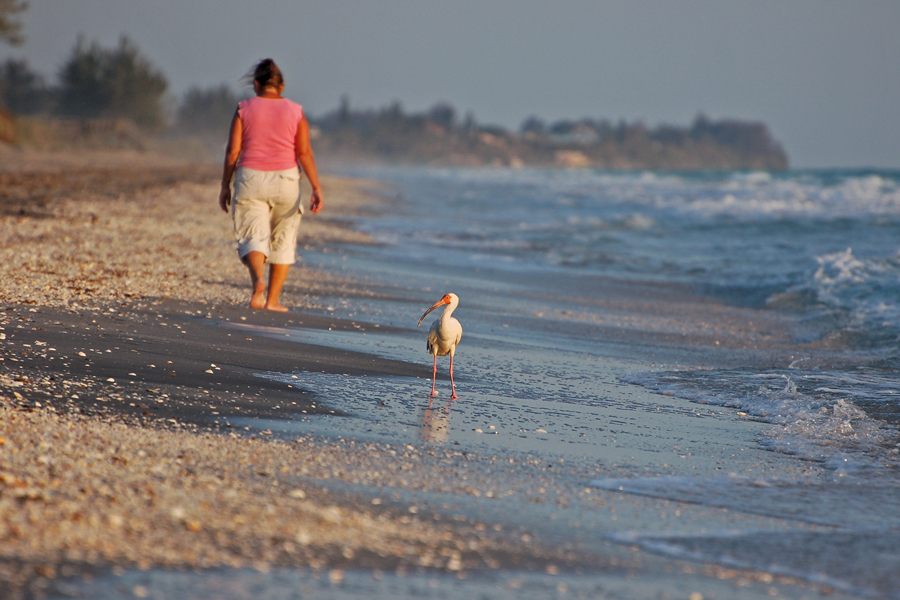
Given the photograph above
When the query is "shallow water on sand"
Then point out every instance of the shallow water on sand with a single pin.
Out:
(512, 398)
(573, 407)
(297, 584)
(729, 290)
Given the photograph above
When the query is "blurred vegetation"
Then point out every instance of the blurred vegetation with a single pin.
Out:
(11, 33)
(436, 136)
(24, 92)
(207, 110)
(114, 97)
(95, 84)
(116, 83)
(10, 27)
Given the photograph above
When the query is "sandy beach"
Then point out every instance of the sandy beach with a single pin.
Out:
(130, 366)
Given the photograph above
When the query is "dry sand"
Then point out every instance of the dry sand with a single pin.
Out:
(117, 228)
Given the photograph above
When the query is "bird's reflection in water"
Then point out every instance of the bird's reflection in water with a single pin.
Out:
(435, 422)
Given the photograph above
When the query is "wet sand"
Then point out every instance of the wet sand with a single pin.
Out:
(122, 382)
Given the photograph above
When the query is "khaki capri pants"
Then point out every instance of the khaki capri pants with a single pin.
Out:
(266, 209)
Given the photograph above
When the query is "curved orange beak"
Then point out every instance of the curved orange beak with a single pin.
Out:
(441, 302)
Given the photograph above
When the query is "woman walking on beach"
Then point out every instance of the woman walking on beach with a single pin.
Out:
(269, 138)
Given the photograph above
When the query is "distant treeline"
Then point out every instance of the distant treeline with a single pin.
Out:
(98, 83)
(94, 82)
(100, 86)
(438, 136)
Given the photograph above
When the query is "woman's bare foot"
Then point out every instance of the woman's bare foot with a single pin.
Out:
(276, 307)
(258, 299)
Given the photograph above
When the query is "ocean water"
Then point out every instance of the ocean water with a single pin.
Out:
(773, 296)
(819, 251)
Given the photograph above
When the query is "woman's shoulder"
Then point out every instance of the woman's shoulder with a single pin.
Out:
(245, 104)
(297, 109)
(269, 103)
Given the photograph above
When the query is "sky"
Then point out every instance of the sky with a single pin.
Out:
(823, 74)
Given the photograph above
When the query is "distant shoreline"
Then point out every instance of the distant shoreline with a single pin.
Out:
(389, 137)
(436, 138)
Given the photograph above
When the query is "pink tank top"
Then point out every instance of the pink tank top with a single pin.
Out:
(269, 133)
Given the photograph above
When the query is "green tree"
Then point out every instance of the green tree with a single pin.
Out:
(207, 110)
(10, 27)
(98, 82)
(443, 114)
(23, 91)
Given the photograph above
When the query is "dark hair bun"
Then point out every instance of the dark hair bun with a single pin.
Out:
(266, 72)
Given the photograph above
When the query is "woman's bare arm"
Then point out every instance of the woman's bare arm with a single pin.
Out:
(308, 164)
(232, 153)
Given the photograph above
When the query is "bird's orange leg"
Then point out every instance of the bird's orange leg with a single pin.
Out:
(434, 375)
(452, 385)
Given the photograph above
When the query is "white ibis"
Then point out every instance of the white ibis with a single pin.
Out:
(443, 336)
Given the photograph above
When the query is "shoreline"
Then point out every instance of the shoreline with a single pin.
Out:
(76, 462)
(115, 469)
(64, 398)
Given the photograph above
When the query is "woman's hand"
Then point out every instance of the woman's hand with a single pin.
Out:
(315, 201)
(308, 164)
(225, 198)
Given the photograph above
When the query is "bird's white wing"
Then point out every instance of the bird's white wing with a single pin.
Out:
(432, 340)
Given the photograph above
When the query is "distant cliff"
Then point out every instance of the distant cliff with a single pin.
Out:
(436, 137)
